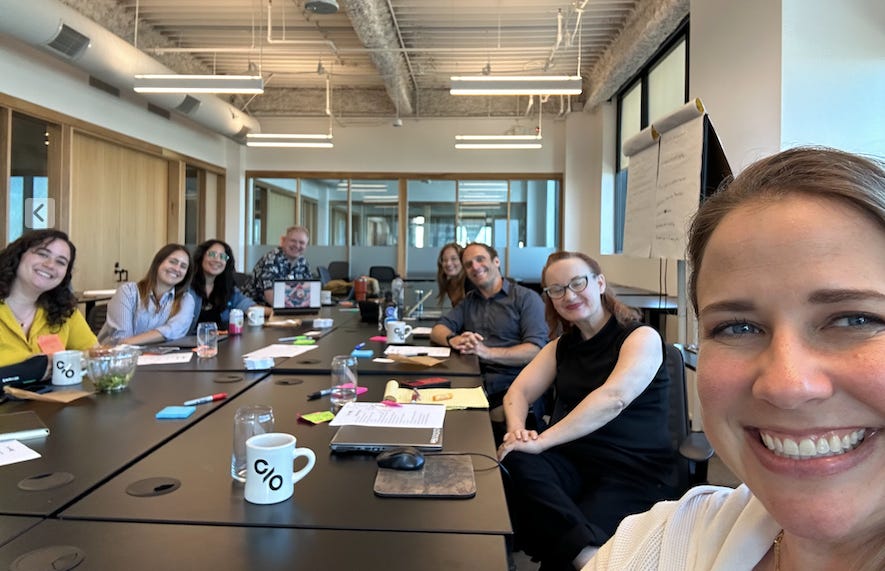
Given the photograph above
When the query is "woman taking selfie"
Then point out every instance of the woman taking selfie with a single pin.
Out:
(788, 283)
(38, 311)
(158, 307)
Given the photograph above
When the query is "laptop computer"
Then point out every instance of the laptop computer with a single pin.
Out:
(374, 439)
(297, 297)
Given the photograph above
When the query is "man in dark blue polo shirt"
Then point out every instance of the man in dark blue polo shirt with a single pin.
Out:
(500, 322)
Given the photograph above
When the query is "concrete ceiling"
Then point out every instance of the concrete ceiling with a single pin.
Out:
(384, 58)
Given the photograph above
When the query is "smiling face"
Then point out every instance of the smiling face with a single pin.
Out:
(43, 267)
(791, 369)
(294, 244)
(214, 260)
(450, 262)
(585, 305)
(481, 269)
(173, 269)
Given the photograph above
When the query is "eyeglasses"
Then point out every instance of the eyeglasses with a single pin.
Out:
(577, 285)
(218, 255)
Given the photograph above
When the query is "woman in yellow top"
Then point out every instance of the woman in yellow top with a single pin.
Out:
(38, 310)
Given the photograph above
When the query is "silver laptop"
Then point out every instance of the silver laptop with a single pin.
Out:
(375, 439)
(297, 297)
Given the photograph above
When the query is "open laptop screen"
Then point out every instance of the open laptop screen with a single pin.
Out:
(297, 294)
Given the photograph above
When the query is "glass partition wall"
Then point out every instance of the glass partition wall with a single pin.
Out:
(360, 220)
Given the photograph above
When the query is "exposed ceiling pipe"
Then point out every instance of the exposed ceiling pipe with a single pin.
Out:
(51, 26)
(374, 26)
(271, 40)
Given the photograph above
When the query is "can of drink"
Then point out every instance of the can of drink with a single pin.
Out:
(235, 325)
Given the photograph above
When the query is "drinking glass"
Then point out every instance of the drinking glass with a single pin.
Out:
(207, 340)
(344, 381)
(248, 421)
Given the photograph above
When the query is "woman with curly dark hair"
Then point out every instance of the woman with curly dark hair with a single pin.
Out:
(157, 308)
(213, 287)
(37, 306)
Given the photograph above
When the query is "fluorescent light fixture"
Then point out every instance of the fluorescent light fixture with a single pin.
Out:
(512, 146)
(175, 83)
(516, 85)
(497, 137)
(300, 140)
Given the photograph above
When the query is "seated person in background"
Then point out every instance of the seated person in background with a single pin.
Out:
(789, 288)
(158, 307)
(37, 301)
(213, 286)
(607, 451)
(285, 262)
(500, 322)
(450, 277)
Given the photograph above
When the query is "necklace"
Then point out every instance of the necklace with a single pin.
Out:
(24, 317)
(777, 550)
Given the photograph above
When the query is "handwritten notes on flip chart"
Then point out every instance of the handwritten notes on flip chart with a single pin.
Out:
(664, 183)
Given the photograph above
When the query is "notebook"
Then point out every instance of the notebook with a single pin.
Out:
(352, 438)
(297, 297)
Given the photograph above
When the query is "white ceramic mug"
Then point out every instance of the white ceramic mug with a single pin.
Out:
(255, 315)
(269, 476)
(397, 331)
(326, 297)
(67, 367)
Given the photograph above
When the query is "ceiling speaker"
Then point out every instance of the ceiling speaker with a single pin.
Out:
(322, 6)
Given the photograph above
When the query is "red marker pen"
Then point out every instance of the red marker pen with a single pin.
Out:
(204, 400)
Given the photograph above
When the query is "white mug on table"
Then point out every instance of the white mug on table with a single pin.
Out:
(269, 459)
(67, 367)
(398, 331)
(255, 315)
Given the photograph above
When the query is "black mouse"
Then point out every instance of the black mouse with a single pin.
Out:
(405, 458)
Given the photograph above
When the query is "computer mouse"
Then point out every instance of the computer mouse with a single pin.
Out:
(405, 458)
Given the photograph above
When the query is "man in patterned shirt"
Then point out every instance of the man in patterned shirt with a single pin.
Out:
(285, 262)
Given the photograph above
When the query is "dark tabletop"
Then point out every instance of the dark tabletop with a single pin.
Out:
(337, 494)
(94, 437)
(345, 338)
(137, 546)
(12, 526)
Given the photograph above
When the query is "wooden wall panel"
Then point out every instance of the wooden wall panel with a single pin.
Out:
(118, 211)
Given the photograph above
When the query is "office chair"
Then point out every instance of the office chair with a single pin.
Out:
(97, 316)
(339, 271)
(693, 448)
(240, 279)
(384, 275)
(325, 276)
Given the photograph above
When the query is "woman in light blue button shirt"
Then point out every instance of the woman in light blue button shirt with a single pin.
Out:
(156, 308)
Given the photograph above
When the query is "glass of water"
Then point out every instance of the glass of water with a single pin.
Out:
(248, 421)
(207, 340)
(344, 381)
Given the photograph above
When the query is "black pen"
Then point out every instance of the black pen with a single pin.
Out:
(319, 394)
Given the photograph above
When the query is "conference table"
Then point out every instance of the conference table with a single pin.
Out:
(139, 546)
(94, 437)
(13, 526)
(336, 494)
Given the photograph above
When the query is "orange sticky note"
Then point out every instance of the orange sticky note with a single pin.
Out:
(50, 344)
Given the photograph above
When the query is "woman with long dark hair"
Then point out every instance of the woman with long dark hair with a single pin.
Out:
(37, 305)
(156, 308)
(213, 288)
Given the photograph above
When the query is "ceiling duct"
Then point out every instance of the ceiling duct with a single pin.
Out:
(322, 6)
(51, 26)
(374, 25)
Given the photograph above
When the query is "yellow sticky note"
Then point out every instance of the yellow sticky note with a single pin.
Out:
(317, 417)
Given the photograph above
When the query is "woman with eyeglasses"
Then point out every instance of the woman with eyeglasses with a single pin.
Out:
(158, 307)
(214, 291)
(607, 451)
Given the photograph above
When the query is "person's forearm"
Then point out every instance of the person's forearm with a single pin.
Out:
(152, 336)
(268, 297)
(439, 333)
(516, 409)
(596, 410)
(518, 355)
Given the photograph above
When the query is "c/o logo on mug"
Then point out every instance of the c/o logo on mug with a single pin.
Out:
(276, 481)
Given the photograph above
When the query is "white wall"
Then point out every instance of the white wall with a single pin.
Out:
(419, 146)
(834, 75)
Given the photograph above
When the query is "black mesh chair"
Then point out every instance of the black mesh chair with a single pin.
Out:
(323, 272)
(384, 275)
(97, 316)
(693, 448)
(240, 279)
(339, 271)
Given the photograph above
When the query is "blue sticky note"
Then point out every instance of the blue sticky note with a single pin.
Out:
(362, 353)
(176, 412)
